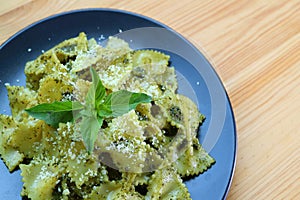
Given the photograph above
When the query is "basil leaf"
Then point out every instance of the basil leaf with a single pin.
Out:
(104, 108)
(91, 123)
(96, 92)
(121, 102)
(56, 112)
(89, 128)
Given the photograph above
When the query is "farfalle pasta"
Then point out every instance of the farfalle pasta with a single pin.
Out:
(143, 154)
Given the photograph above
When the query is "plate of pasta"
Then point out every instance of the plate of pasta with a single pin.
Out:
(114, 105)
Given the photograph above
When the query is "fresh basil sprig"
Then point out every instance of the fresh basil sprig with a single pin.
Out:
(98, 106)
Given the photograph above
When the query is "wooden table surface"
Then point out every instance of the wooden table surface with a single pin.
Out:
(255, 47)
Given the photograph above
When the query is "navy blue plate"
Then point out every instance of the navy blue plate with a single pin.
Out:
(197, 79)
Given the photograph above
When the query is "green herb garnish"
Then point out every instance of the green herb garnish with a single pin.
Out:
(98, 106)
(56, 112)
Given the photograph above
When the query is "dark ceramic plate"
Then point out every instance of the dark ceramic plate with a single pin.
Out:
(197, 79)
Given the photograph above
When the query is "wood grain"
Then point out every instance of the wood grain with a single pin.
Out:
(255, 48)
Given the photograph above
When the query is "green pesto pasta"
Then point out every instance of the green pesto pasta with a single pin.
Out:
(142, 154)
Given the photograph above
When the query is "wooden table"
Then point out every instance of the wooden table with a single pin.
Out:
(255, 47)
